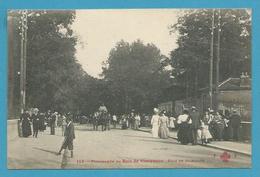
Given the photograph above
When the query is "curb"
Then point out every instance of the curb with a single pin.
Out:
(210, 145)
(228, 149)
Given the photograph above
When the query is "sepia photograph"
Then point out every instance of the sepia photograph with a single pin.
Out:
(129, 88)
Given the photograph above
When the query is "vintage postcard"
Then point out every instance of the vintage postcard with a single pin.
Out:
(129, 88)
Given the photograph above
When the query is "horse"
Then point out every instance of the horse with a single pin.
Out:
(101, 118)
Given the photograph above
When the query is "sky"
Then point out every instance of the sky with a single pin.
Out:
(100, 30)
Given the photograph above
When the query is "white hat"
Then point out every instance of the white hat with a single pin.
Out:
(193, 107)
(156, 110)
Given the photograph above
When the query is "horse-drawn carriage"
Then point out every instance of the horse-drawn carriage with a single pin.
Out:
(101, 119)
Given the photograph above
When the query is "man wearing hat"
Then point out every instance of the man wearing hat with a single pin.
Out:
(195, 125)
(69, 136)
(36, 122)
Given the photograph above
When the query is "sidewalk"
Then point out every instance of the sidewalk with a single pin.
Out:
(238, 147)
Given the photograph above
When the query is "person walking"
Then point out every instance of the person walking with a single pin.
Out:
(42, 125)
(195, 125)
(35, 122)
(184, 123)
(163, 126)
(131, 119)
(63, 125)
(52, 122)
(220, 125)
(155, 123)
(137, 120)
(124, 122)
(69, 136)
(26, 126)
(235, 121)
(114, 121)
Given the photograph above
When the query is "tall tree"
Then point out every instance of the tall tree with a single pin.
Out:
(191, 58)
(55, 80)
(135, 76)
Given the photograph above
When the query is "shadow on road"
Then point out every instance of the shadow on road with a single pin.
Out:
(46, 150)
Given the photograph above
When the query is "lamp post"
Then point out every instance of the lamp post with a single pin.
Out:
(218, 58)
(211, 60)
(24, 27)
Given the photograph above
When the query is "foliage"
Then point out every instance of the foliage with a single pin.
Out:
(191, 58)
(55, 80)
(135, 76)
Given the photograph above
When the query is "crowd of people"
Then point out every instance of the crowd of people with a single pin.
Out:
(34, 120)
(191, 126)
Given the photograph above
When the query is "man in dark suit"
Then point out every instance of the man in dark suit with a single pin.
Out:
(36, 122)
(69, 136)
(195, 125)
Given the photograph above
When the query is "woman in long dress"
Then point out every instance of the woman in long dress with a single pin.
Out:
(163, 126)
(26, 125)
(155, 123)
(184, 134)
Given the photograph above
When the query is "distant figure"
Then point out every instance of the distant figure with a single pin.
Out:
(26, 126)
(124, 122)
(220, 125)
(235, 121)
(63, 125)
(163, 126)
(137, 119)
(131, 120)
(114, 120)
(195, 125)
(155, 123)
(69, 136)
(102, 108)
(42, 125)
(171, 122)
(52, 122)
(36, 122)
(205, 134)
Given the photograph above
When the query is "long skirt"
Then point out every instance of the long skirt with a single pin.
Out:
(184, 134)
(26, 128)
(163, 132)
(205, 134)
(155, 131)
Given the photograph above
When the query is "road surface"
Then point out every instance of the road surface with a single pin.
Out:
(116, 149)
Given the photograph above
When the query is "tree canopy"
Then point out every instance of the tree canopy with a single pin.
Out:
(55, 80)
(190, 59)
(135, 76)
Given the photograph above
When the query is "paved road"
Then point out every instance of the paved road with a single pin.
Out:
(116, 148)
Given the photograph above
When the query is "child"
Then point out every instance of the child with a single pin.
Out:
(205, 134)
